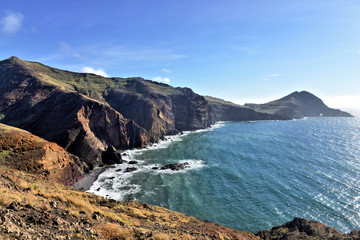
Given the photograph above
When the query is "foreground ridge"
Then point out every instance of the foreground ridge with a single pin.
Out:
(33, 208)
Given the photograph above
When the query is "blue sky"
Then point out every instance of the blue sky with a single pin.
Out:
(239, 50)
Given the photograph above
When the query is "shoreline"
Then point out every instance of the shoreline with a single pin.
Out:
(89, 179)
(85, 184)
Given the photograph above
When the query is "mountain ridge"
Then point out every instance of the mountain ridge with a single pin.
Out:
(87, 114)
(297, 105)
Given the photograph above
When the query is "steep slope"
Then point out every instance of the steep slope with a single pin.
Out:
(86, 113)
(86, 127)
(159, 108)
(21, 150)
(298, 105)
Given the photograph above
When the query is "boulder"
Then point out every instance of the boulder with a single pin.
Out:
(176, 166)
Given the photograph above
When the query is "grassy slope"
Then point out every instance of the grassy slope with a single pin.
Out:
(272, 107)
(33, 205)
(218, 101)
(92, 85)
(58, 211)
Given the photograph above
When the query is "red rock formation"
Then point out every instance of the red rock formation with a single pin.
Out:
(24, 151)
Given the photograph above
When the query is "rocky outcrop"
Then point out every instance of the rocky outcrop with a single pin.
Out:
(300, 228)
(176, 166)
(23, 151)
(84, 126)
(159, 108)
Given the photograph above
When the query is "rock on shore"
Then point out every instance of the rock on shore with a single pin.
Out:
(300, 228)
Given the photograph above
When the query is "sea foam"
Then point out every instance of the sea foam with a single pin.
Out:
(116, 183)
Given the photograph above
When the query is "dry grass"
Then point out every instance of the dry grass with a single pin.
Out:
(39, 192)
(114, 231)
(117, 220)
(7, 196)
(161, 236)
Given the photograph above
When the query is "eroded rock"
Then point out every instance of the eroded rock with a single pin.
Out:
(176, 166)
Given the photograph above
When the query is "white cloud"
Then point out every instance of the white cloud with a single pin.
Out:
(265, 79)
(165, 70)
(252, 50)
(223, 93)
(138, 54)
(358, 52)
(342, 101)
(11, 23)
(161, 79)
(94, 71)
(274, 75)
(67, 49)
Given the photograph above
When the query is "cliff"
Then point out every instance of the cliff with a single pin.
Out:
(87, 114)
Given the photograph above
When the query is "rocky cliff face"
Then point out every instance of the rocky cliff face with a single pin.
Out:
(159, 108)
(24, 151)
(86, 114)
(83, 126)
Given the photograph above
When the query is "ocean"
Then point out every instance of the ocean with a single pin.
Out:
(250, 175)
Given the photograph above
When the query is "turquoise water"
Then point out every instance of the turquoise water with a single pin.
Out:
(251, 175)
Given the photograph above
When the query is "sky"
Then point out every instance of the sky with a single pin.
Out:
(238, 50)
